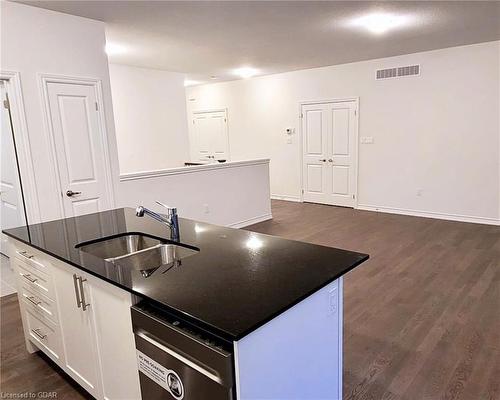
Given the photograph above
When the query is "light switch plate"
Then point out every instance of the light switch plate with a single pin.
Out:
(367, 139)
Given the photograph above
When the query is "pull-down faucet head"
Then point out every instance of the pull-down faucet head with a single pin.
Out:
(170, 220)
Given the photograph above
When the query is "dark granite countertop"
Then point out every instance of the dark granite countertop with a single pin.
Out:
(238, 280)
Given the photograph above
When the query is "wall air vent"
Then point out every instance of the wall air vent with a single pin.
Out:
(398, 72)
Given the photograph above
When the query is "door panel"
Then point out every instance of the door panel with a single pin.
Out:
(76, 139)
(315, 178)
(211, 135)
(315, 140)
(77, 328)
(11, 198)
(340, 129)
(329, 153)
(314, 132)
(79, 147)
(340, 183)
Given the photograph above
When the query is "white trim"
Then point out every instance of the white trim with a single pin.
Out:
(190, 169)
(356, 138)
(44, 79)
(251, 221)
(295, 199)
(25, 160)
(430, 214)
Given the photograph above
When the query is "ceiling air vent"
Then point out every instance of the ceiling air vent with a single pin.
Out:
(398, 72)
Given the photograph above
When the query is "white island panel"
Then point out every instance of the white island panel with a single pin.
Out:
(297, 355)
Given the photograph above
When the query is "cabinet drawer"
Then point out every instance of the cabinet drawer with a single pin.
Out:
(33, 258)
(44, 334)
(38, 303)
(37, 281)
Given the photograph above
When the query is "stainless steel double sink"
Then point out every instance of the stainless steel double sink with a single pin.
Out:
(137, 251)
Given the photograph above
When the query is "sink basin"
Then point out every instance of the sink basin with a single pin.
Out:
(120, 246)
(138, 251)
(149, 260)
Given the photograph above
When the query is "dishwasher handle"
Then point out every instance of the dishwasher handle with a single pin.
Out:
(160, 346)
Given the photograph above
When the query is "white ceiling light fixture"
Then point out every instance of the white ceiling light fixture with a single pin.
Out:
(113, 49)
(189, 82)
(380, 22)
(245, 72)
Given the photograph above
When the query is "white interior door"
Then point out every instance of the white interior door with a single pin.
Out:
(79, 147)
(211, 135)
(11, 197)
(329, 134)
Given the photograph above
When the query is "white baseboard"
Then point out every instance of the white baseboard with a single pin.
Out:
(286, 198)
(251, 221)
(430, 214)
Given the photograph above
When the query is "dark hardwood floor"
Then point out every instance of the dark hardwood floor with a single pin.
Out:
(421, 317)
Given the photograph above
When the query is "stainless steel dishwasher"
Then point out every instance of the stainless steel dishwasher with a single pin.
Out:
(177, 360)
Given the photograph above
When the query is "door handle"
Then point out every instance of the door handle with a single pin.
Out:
(70, 193)
(322, 159)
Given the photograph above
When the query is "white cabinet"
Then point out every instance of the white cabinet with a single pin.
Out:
(77, 327)
(80, 321)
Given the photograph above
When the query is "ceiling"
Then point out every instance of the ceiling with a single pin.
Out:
(212, 38)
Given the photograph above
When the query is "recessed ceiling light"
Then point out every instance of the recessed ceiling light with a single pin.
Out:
(379, 23)
(213, 77)
(114, 49)
(245, 72)
(189, 82)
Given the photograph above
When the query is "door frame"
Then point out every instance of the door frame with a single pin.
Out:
(212, 110)
(356, 137)
(44, 79)
(23, 147)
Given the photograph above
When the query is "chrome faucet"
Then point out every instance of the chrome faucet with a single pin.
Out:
(170, 220)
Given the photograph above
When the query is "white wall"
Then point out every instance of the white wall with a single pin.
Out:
(150, 118)
(438, 133)
(233, 194)
(35, 41)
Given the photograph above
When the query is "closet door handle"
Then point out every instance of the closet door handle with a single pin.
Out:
(322, 159)
(77, 293)
(82, 293)
(70, 193)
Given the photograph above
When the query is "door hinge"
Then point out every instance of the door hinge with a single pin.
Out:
(302, 191)
(6, 104)
(96, 106)
(301, 115)
(355, 112)
(353, 196)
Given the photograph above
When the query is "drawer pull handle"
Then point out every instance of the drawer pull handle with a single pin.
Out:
(33, 300)
(25, 254)
(38, 333)
(28, 277)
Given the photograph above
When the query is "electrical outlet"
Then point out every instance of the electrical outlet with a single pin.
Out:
(366, 139)
(419, 192)
(206, 209)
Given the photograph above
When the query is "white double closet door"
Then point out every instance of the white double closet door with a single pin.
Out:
(329, 134)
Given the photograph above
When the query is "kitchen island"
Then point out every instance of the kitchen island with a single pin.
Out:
(271, 306)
